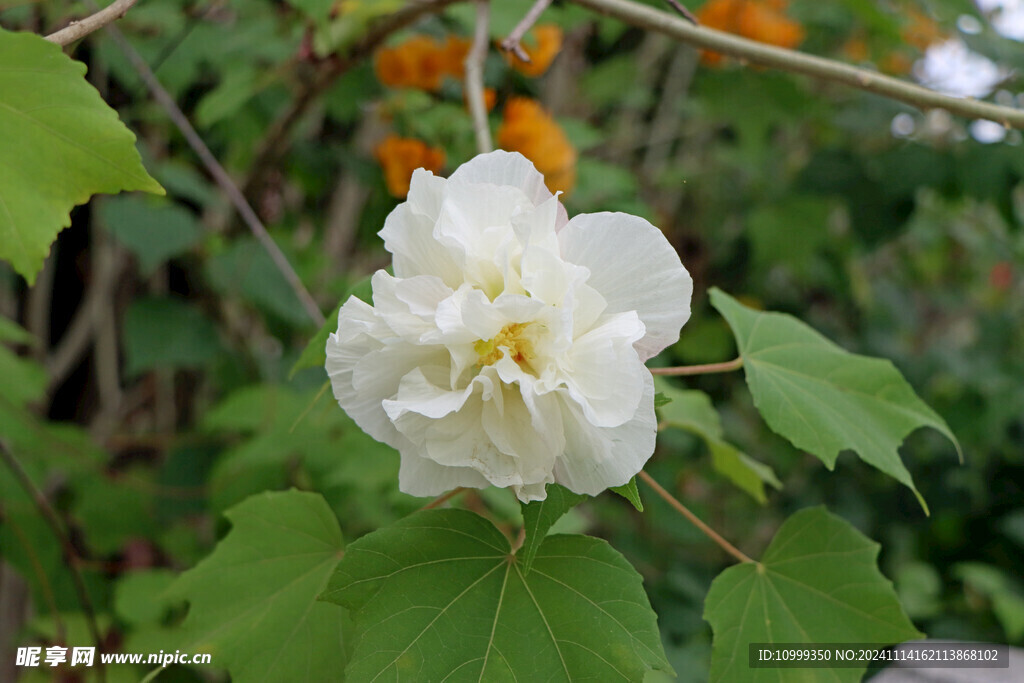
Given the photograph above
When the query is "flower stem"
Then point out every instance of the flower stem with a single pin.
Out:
(706, 369)
(685, 512)
(443, 498)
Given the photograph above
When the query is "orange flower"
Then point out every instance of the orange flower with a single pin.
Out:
(529, 130)
(421, 62)
(922, 30)
(761, 20)
(542, 45)
(856, 49)
(399, 157)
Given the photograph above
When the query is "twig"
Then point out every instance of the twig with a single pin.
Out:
(475, 77)
(70, 556)
(94, 22)
(687, 14)
(798, 62)
(443, 498)
(275, 142)
(685, 512)
(106, 271)
(219, 175)
(706, 369)
(512, 42)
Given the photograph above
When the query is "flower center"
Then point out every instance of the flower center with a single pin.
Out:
(512, 338)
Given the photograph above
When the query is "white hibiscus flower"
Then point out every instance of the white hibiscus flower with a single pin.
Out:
(509, 346)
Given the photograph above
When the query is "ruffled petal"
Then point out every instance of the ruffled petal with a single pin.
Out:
(364, 371)
(419, 476)
(504, 168)
(509, 168)
(634, 268)
(408, 306)
(410, 238)
(603, 372)
(527, 427)
(597, 458)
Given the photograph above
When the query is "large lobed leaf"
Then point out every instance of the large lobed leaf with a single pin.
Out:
(817, 583)
(440, 596)
(823, 398)
(60, 144)
(253, 601)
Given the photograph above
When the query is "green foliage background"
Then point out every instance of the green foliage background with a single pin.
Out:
(146, 376)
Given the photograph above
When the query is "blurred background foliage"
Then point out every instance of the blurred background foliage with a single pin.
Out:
(146, 379)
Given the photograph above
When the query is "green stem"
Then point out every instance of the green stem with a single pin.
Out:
(706, 369)
(694, 519)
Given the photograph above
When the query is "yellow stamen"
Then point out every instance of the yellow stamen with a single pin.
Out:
(511, 338)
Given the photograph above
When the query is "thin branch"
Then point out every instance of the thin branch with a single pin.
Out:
(694, 519)
(798, 62)
(275, 142)
(707, 369)
(94, 22)
(682, 10)
(90, 316)
(512, 43)
(70, 556)
(443, 498)
(475, 77)
(219, 175)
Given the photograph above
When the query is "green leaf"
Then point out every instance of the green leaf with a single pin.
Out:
(538, 517)
(167, 333)
(692, 411)
(11, 331)
(630, 493)
(21, 380)
(439, 596)
(253, 601)
(69, 145)
(817, 583)
(823, 398)
(155, 230)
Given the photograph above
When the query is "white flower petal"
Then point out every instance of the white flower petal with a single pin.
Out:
(417, 394)
(531, 492)
(605, 375)
(359, 390)
(408, 305)
(504, 169)
(509, 168)
(634, 268)
(508, 348)
(598, 458)
(410, 237)
(426, 193)
(420, 476)
(532, 432)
